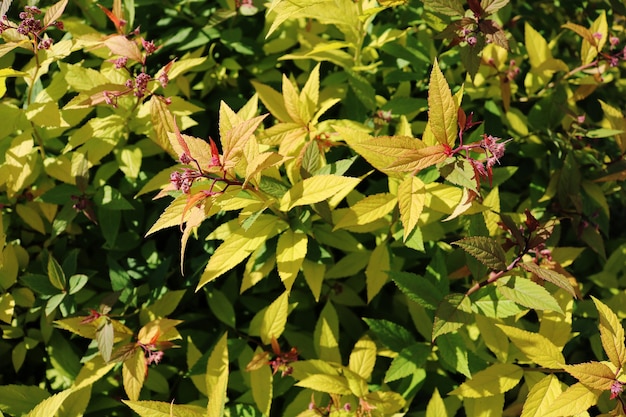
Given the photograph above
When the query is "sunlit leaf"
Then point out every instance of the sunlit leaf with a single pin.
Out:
(496, 379)
(217, 377)
(442, 111)
(611, 334)
(536, 347)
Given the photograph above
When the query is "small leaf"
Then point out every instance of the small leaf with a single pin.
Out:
(611, 334)
(390, 334)
(291, 250)
(549, 275)
(163, 409)
(594, 375)
(442, 111)
(56, 274)
(275, 318)
(411, 197)
(436, 407)
(377, 270)
(496, 379)
(448, 7)
(486, 250)
(330, 384)
(367, 210)
(54, 12)
(121, 45)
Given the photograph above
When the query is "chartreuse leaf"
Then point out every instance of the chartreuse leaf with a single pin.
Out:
(527, 293)
(453, 312)
(314, 276)
(134, 372)
(363, 357)
(367, 210)
(594, 375)
(575, 400)
(317, 188)
(19, 399)
(261, 384)
(486, 250)
(326, 335)
(377, 270)
(549, 275)
(235, 139)
(105, 337)
(589, 50)
(557, 325)
(617, 121)
(239, 245)
(56, 275)
(493, 337)
(411, 197)
(310, 94)
(541, 395)
(331, 384)
(290, 253)
(275, 318)
(217, 378)
(536, 347)
(163, 409)
(7, 305)
(611, 334)
(442, 111)
(492, 6)
(409, 360)
(496, 379)
(435, 406)
(273, 100)
(484, 407)
(292, 102)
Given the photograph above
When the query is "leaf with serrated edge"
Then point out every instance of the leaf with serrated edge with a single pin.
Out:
(326, 335)
(549, 275)
(367, 210)
(541, 395)
(447, 7)
(261, 383)
(54, 12)
(163, 409)
(315, 189)
(290, 253)
(330, 384)
(536, 347)
(496, 379)
(527, 293)
(492, 6)
(134, 373)
(611, 334)
(377, 270)
(411, 197)
(575, 400)
(363, 357)
(121, 45)
(275, 318)
(442, 111)
(486, 250)
(594, 375)
(453, 312)
(217, 377)
(235, 139)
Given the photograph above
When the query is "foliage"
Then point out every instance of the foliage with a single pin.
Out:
(389, 193)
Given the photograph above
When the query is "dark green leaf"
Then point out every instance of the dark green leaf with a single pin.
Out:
(486, 250)
(410, 359)
(391, 334)
(418, 289)
(453, 312)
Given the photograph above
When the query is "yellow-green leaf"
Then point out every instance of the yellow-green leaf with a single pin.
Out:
(611, 334)
(549, 275)
(377, 271)
(134, 372)
(261, 384)
(30, 216)
(326, 335)
(367, 210)
(363, 357)
(589, 50)
(290, 253)
(411, 197)
(7, 305)
(309, 96)
(273, 100)
(239, 245)
(235, 139)
(594, 375)
(163, 409)
(486, 250)
(50, 405)
(317, 188)
(275, 318)
(484, 407)
(541, 395)
(442, 111)
(435, 406)
(496, 379)
(330, 384)
(536, 347)
(217, 378)
(314, 276)
(575, 400)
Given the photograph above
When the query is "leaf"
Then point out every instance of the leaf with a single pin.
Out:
(409, 360)
(582, 31)
(390, 334)
(162, 409)
(367, 210)
(121, 45)
(527, 293)
(417, 289)
(317, 188)
(105, 337)
(536, 347)
(56, 274)
(447, 7)
(594, 375)
(549, 275)
(261, 384)
(236, 138)
(486, 250)
(362, 89)
(377, 270)
(411, 197)
(611, 334)
(326, 335)
(492, 6)
(436, 407)
(496, 379)
(363, 357)
(54, 12)
(541, 395)
(273, 100)
(50, 405)
(275, 319)
(442, 111)
(221, 307)
(20, 399)
(574, 401)
(134, 372)
(314, 276)
(453, 312)
(330, 384)
(239, 245)
(589, 50)
(217, 378)
(291, 250)
(162, 123)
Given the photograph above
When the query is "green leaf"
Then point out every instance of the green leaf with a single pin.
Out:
(408, 361)
(377, 270)
(496, 379)
(20, 399)
(275, 319)
(318, 188)
(536, 347)
(453, 312)
(447, 7)
(326, 335)
(261, 384)
(442, 111)
(221, 307)
(436, 407)
(549, 275)
(362, 89)
(163, 409)
(541, 395)
(330, 384)
(527, 293)
(417, 289)
(111, 199)
(56, 274)
(391, 334)
(217, 377)
(367, 210)
(486, 250)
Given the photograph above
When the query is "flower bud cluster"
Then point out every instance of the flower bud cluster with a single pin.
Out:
(31, 25)
(183, 180)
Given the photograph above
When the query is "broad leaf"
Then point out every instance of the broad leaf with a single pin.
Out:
(411, 197)
(367, 210)
(536, 347)
(575, 400)
(377, 270)
(417, 289)
(163, 409)
(261, 384)
(549, 275)
(594, 375)
(326, 335)
(363, 357)
(527, 293)
(217, 378)
(315, 189)
(291, 250)
(486, 250)
(330, 384)
(541, 395)
(442, 111)
(496, 379)
(611, 334)
(453, 312)
(275, 318)
(134, 372)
